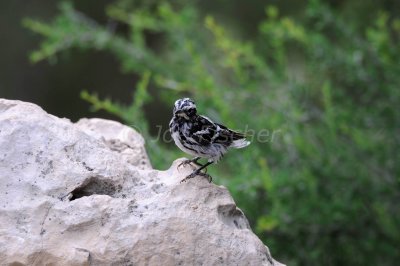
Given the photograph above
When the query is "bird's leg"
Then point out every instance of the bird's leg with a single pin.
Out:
(194, 160)
(198, 172)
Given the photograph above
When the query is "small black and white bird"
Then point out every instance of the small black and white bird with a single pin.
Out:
(197, 135)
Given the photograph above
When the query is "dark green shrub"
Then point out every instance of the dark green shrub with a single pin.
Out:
(322, 185)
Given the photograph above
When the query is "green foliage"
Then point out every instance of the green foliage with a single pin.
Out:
(132, 114)
(320, 96)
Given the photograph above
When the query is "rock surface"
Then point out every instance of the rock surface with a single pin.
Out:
(85, 194)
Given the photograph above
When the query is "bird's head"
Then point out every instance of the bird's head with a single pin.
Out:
(184, 109)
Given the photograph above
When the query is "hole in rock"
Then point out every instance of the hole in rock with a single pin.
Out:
(232, 216)
(95, 186)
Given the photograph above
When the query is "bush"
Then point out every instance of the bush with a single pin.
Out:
(317, 94)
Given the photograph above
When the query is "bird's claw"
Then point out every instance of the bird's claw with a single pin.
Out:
(189, 162)
(197, 173)
(185, 162)
(188, 177)
(207, 176)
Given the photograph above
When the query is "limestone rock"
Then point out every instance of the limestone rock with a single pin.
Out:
(85, 194)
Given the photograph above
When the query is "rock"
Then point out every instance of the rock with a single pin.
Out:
(127, 142)
(85, 194)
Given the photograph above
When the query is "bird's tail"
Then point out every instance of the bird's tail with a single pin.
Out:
(240, 143)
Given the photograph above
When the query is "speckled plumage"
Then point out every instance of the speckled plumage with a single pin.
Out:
(197, 135)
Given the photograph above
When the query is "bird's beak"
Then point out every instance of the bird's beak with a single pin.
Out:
(182, 114)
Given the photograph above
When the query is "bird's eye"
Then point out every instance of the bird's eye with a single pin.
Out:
(191, 112)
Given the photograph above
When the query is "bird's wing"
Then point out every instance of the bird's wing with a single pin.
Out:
(231, 134)
(205, 132)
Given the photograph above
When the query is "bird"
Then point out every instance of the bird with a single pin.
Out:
(199, 136)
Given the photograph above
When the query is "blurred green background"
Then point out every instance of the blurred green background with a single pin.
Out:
(315, 83)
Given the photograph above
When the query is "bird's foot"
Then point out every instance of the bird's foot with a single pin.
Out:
(184, 163)
(189, 162)
(197, 173)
